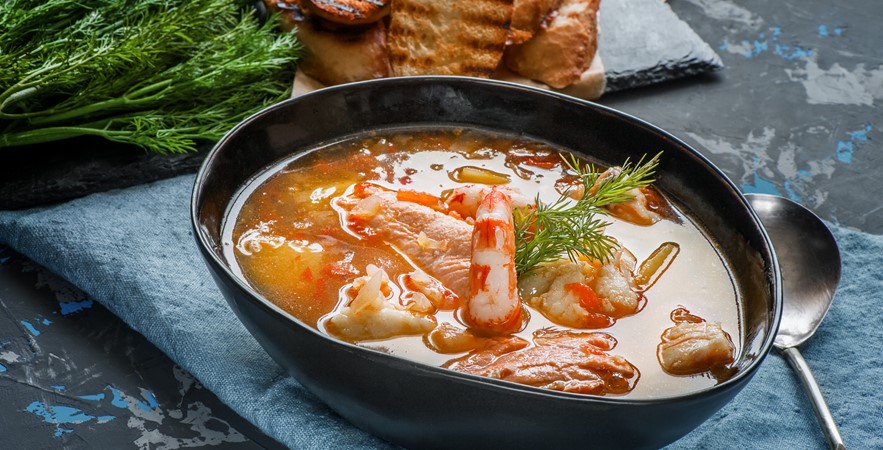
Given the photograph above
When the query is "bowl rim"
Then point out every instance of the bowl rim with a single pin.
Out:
(224, 266)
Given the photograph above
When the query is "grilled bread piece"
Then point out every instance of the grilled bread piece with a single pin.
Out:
(335, 56)
(590, 86)
(349, 12)
(448, 37)
(527, 16)
(560, 52)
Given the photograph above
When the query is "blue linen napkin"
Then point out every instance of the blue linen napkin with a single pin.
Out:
(133, 251)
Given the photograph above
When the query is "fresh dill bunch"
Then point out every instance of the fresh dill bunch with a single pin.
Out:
(547, 232)
(159, 74)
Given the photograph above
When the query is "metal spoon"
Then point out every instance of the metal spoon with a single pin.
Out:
(810, 263)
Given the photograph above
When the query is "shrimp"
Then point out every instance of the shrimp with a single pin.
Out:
(694, 346)
(373, 313)
(583, 294)
(464, 200)
(646, 206)
(493, 305)
(641, 209)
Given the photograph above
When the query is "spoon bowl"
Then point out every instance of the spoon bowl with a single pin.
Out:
(809, 261)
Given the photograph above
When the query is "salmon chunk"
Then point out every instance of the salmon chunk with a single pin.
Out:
(435, 242)
(566, 361)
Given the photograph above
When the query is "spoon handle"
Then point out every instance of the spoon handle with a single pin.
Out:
(826, 420)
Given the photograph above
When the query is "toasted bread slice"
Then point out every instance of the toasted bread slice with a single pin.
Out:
(560, 52)
(590, 86)
(527, 16)
(343, 55)
(448, 37)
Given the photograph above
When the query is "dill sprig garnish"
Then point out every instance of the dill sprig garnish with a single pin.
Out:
(159, 74)
(547, 232)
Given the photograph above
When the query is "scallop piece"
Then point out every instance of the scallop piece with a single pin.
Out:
(694, 346)
(374, 312)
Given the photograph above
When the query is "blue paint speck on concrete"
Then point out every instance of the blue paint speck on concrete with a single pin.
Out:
(58, 414)
(46, 321)
(789, 53)
(95, 397)
(861, 135)
(846, 148)
(761, 186)
(760, 47)
(792, 193)
(58, 387)
(62, 415)
(72, 307)
(2, 368)
(30, 328)
(151, 401)
(748, 53)
(117, 399)
(824, 32)
(120, 402)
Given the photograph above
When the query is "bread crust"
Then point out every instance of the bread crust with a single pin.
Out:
(560, 52)
(448, 37)
(343, 55)
(528, 16)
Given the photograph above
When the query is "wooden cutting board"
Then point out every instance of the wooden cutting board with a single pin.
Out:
(641, 42)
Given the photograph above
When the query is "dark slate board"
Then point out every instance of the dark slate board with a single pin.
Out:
(644, 42)
(47, 173)
(641, 42)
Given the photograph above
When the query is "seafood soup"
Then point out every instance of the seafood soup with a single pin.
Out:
(494, 255)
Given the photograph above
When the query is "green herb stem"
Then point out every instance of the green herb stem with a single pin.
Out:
(568, 228)
(41, 135)
(135, 100)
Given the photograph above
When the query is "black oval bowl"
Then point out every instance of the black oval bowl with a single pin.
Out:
(421, 406)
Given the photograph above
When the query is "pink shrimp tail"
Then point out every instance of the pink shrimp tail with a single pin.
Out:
(493, 305)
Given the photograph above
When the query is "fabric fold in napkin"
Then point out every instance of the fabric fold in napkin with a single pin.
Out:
(133, 251)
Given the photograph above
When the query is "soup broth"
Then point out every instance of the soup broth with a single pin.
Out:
(290, 235)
